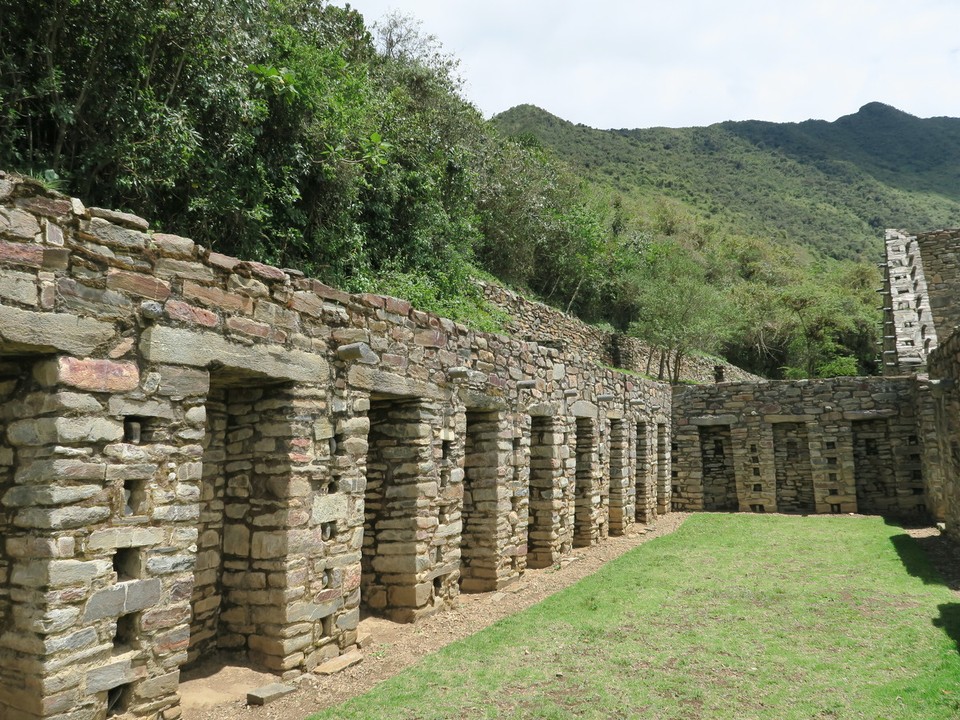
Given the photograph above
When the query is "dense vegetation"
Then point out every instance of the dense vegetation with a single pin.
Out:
(292, 132)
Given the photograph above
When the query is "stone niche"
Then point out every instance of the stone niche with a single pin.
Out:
(794, 476)
(719, 478)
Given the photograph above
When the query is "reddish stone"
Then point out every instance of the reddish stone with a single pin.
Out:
(98, 375)
(330, 293)
(395, 305)
(21, 254)
(224, 262)
(48, 207)
(430, 338)
(138, 284)
(327, 595)
(267, 272)
(371, 300)
(248, 327)
(165, 617)
(216, 297)
(306, 302)
(178, 310)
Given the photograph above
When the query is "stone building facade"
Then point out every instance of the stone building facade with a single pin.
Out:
(199, 453)
(828, 446)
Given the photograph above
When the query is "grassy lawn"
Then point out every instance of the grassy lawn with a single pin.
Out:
(732, 616)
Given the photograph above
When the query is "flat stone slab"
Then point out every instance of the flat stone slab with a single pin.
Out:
(268, 693)
(337, 664)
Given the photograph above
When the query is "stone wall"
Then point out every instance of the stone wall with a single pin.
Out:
(837, 445)
(909, 335)
(940, 250)
(943, 398)
(202, 454)
(548, 326)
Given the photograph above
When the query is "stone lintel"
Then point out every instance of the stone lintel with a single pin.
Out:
(789, 418)
(714, 420)
(174, 346)
(584, 409)
(365, 377)
(870, 414)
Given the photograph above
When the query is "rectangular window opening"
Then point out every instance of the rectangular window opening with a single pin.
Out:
(126, 563)
(134, 497)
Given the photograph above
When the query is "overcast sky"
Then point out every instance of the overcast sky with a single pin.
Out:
(680, 63)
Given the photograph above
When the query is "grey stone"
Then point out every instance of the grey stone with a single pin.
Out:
(49, 332)
(268, 693)
(202, 349)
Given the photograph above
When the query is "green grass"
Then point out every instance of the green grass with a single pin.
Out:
(732, 616)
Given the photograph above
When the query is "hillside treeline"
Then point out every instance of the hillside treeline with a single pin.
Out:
(292, 132)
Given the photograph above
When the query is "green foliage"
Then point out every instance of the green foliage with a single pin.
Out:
(287, 132)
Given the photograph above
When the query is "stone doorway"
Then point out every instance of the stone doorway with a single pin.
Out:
(238, 602)
(479, 551)
(719, 477)
(791, 452)
(409, 568)
(874, 463)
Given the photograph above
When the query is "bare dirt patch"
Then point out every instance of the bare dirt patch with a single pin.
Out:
(216, 690)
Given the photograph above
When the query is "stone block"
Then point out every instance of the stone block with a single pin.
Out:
(89, 374)
(328, 507)
(29, 495)
(124, 537)
(60, 518)
(18, 287)
(50, 332)
(140, 284)
(268, 693)
(200, 349)
(113, 675)
(338, 664)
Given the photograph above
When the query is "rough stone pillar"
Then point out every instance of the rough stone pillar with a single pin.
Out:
(645, 477)
(664, 471)
(551, 493)
(589, 525)
(488, 544)
(623, 498)
(406, 573)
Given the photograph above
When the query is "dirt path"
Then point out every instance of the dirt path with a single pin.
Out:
(215, 691)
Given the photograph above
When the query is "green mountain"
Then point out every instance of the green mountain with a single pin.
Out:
(831, 185)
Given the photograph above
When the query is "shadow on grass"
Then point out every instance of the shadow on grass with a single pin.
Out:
(949, 621)
(935, 559)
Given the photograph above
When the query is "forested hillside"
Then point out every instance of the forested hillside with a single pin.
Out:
(833, 186)
(297, 133)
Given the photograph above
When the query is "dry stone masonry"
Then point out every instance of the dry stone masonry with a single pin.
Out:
(200, 454)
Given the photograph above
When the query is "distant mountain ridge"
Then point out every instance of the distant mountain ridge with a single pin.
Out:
(833, 186)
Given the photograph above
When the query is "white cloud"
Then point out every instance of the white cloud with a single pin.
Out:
(696, 62)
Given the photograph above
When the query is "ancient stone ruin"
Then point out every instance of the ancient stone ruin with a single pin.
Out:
(201, 454)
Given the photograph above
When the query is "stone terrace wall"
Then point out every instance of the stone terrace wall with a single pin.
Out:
(548, 326)
(944, 397)
(837, 445)
(940, 250)
(909, 335)
(199, 453)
